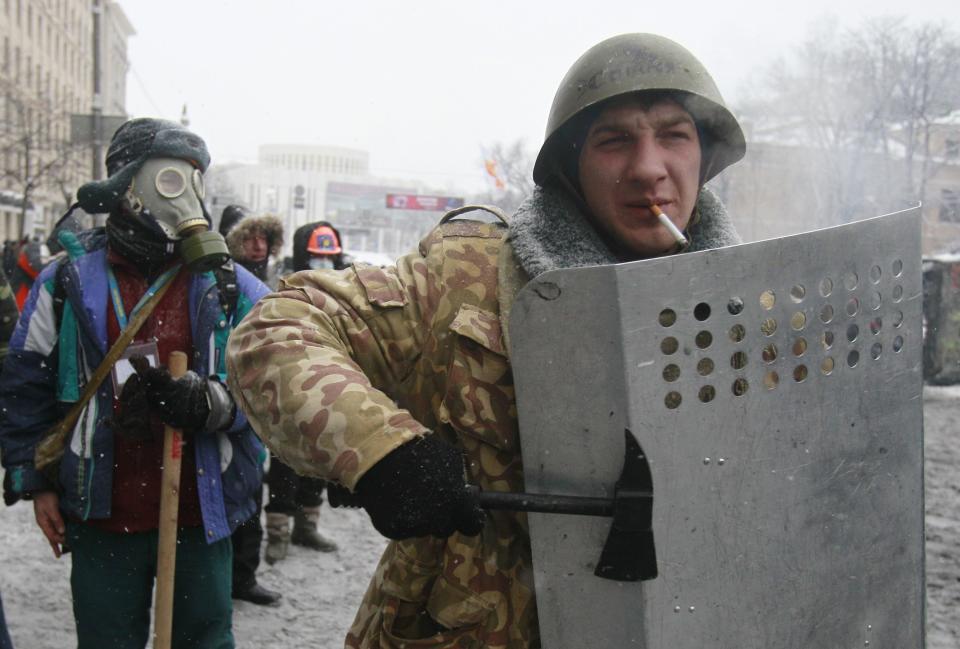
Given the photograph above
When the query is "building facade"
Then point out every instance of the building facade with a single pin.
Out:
(46, 76)
(306, 183)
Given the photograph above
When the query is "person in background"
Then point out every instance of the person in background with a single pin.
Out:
(315, 245)
(103, 499)
(254, 242)
(8, 320)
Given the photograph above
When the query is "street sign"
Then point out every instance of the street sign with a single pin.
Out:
(425, 203)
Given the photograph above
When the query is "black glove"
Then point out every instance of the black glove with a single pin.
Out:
(190, 403)
(419, 490)
(133, 418)
(340, 496)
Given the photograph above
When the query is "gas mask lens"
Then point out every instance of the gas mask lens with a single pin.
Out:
(171, 182)
(198, 184)
(318, 263)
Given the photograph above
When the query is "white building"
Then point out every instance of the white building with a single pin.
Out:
(293, 181)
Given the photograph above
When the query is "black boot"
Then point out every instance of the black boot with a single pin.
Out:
(257, 594)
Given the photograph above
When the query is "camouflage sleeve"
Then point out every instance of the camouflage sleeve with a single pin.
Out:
(312, 365)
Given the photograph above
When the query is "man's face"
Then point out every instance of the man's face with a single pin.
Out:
(635, 156)
(255, 247)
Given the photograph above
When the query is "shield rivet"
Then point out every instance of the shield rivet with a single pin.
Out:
(692, 609)
(706, 460)
(721, 461)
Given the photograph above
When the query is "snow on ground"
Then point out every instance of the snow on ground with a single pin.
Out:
(321, 591)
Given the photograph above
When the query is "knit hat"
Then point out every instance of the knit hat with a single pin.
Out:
(134, 143)
(231, 215)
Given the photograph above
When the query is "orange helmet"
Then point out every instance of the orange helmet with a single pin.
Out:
(323, 241)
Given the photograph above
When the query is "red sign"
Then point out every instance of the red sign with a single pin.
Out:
(428, 203)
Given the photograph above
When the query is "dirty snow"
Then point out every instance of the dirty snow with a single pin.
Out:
(321, 591)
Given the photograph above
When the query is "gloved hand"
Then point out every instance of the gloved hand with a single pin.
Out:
(133, 418)
(419, 490)
(190, 403)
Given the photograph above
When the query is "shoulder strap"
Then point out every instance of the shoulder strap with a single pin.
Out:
(227, 287)
(59, 293)
(51, 447)
(492, 209)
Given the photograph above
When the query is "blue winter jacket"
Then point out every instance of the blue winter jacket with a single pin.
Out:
(46, 367)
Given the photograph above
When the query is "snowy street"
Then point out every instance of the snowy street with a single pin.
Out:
(321, 591)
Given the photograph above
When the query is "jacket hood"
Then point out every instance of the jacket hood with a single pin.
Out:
(549, 232)
(269, 224)
(301, 239)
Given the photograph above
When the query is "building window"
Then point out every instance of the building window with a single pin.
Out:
(952, 148)
(950, 205)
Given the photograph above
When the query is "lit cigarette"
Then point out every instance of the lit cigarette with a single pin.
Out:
(668, 224)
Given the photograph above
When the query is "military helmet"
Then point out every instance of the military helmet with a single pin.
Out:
(636, 62)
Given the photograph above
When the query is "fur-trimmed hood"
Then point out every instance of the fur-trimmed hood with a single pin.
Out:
(549, 232)
(269, 224)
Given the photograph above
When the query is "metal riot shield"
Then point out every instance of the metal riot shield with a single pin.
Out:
(775, 390)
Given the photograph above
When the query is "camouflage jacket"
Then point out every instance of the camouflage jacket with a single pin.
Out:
(339, 368)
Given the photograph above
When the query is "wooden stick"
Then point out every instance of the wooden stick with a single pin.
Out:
(169, 509)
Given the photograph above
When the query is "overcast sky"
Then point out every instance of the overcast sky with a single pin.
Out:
(422, 85)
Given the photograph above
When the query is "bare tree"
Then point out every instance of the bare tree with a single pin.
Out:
(860, 105)
(34, 147)
(510, 173)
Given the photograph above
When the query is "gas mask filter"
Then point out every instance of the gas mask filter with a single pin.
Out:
(167, 194)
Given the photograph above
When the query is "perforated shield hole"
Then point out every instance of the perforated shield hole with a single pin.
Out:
(737, 333)
(876, 300)
(703, 339)
(739, 360)
(897, 293)
(739, 387)
(851, 281)
(800, 373)
(853, 307)
(767, 299)
(897, 344)
(797, 292)
(875, 274)
(704, 367)
(853, 358)
(702, 311)
(735, 305)
(768, 327)
(897, 268)
(667, 317)
(671, 373)
(826, 340)
(799, 347)
(875, 350)
(771, 380)
(897, 318)
(798, 321)
(669, 345)
(826, 314)
(876, 325)
(707, 393)
(826, 286)
(853, 332)
(826, 366)
(672, 400)
(769, 353)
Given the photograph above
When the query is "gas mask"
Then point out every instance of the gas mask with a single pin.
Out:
(166, 195)
(318, 263)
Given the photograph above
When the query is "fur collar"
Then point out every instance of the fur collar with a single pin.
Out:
(270, 225)
(549, 232)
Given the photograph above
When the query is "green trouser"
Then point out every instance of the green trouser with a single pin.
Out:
(112, 583)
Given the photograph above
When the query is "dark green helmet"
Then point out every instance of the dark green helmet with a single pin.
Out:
(643, 62)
